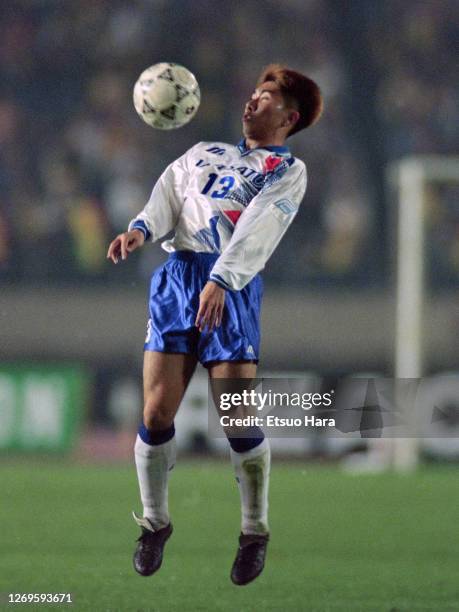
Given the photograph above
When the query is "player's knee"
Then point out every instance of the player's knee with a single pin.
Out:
(156, 416)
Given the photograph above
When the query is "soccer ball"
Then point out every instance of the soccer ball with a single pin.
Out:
(166, 96)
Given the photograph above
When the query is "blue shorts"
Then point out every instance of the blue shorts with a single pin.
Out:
(173, 306)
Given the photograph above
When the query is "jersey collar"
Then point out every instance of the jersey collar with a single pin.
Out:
(273, 148)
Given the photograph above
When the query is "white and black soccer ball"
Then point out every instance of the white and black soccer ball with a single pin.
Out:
(166, 96)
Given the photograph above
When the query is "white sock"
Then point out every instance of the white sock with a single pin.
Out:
(153, 463)
(252, 473)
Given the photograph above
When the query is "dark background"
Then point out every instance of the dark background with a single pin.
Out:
(76, 163)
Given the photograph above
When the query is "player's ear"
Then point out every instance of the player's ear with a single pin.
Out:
(292, 117)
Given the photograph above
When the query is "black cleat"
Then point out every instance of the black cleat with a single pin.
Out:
(148, 555)
(250, 558)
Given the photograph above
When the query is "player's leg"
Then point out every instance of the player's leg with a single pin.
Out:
(166, 377)
(251, 459)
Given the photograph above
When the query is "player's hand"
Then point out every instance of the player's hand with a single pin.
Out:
(211, 303)
(125, 243)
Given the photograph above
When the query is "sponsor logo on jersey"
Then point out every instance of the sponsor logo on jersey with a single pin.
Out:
(216, 150)
(257, 178)
(285, 206)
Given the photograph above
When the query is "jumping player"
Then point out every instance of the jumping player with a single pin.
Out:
(229, 205)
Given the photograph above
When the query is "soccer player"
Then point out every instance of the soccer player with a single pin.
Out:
(229, 206)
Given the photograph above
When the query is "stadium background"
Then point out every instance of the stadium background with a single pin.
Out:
(76, 164)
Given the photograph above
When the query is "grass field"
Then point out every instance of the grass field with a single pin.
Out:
(339, 542)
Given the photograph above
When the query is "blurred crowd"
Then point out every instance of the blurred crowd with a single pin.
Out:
(76, 163)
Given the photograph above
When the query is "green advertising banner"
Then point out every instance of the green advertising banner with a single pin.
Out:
(41, 406)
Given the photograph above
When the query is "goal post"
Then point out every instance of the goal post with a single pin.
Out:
(411, 175)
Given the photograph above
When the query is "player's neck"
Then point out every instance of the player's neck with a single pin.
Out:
(257, 143)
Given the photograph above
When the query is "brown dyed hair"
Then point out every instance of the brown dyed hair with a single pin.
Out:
(298, 91)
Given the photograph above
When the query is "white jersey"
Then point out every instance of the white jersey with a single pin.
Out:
(228, 200)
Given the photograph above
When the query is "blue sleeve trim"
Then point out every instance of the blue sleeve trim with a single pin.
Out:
(216, 278)
(140, 225)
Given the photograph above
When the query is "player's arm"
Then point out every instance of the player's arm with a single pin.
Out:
(160, 214)
(211, 303)
(260, 228)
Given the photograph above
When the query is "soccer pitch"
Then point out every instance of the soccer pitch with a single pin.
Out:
(339, 542)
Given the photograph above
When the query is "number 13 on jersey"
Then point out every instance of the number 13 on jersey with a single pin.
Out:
(225, 184)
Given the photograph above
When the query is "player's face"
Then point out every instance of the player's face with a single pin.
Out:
(265, 112)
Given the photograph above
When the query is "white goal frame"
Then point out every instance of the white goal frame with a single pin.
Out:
(411, 175)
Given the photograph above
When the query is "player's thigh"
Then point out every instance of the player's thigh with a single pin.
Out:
(165, 379)
(232, 369)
